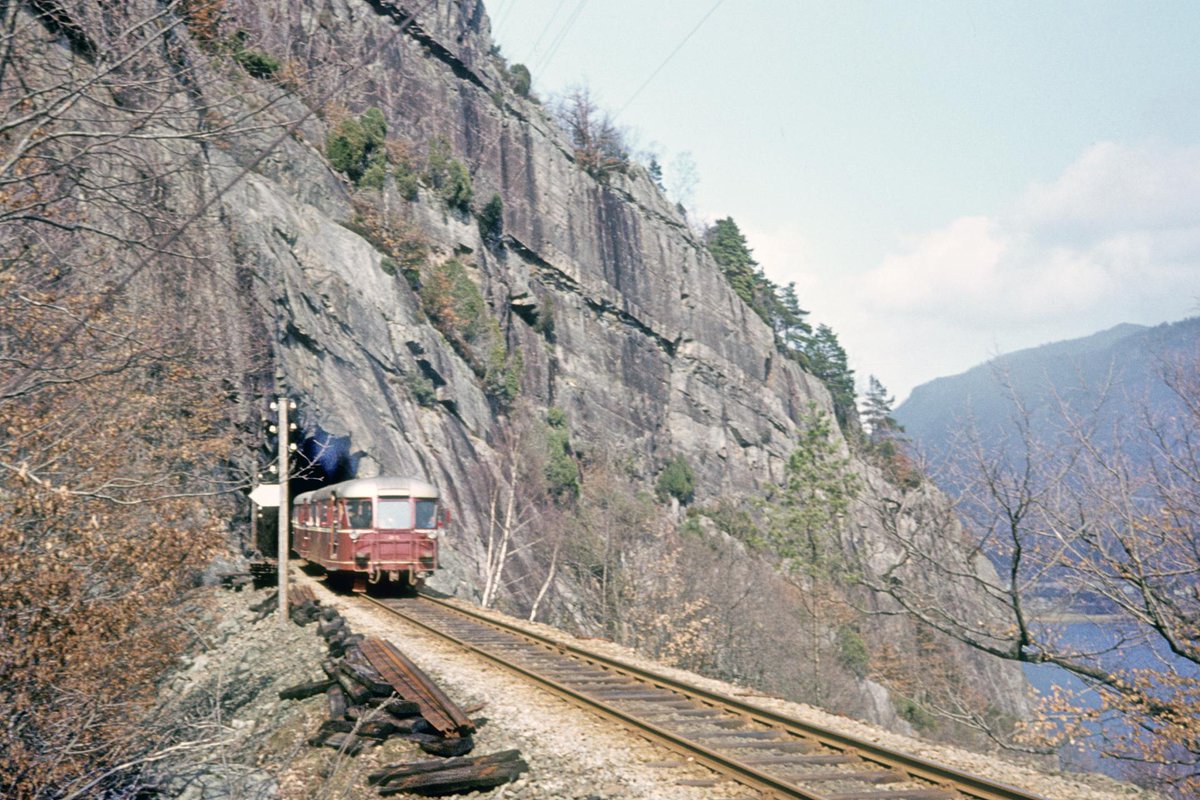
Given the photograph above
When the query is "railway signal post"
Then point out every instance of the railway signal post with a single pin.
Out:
(283, 405)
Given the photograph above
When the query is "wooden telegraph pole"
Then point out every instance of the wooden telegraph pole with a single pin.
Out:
(284, 507)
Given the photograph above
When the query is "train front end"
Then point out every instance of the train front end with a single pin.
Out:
(402, 545)
(374, 530)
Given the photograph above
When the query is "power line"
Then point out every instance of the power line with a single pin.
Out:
(503, 18)
(562, 34)
(667, 60)
(537, 42)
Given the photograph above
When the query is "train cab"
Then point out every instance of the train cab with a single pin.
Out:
(375, 529)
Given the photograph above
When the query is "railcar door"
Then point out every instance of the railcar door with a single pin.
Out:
(304, 529)
(335, 512)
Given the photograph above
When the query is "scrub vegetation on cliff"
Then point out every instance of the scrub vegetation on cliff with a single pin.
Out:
(175, 248)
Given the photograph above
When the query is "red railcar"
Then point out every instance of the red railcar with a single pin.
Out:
(375, 529)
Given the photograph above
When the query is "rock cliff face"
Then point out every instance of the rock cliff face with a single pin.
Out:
(651, 354)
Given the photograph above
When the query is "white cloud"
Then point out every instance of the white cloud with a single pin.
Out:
(1117, 187)
(1115, 238)
(785, 251)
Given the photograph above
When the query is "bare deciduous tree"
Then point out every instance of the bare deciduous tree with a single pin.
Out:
(1098, 524)
(600, 145)
(116, 436)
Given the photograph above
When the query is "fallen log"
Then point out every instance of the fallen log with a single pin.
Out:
(366, 676)
(337, 701)
(468, 775)
(393, 771)
(305, 613)
(333, 726)
(269, 603)
(442, 746)
(356, 693)
(381, 725)
(304, 690)
(327, 629)
(395, 705)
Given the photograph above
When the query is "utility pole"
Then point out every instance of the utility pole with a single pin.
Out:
(284, 507)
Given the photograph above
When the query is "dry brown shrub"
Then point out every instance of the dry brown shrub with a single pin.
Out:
(104, 466)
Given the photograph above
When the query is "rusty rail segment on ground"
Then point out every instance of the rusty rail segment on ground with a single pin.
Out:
(412, 684)
(768, 751)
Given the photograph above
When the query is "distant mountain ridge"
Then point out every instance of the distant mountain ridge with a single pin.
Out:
(1120, 370)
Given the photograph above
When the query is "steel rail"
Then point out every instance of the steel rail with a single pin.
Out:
(743, 773)
(971, 786)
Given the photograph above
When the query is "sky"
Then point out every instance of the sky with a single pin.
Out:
(943, 181)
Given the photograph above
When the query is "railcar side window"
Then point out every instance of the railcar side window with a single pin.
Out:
(395, 513)
(426, 514)
(359, 512)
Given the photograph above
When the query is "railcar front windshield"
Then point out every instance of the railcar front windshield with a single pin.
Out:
(395, 513)
(358, 513)
(426, 514)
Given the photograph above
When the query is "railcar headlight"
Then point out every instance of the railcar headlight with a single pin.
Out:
(354, 536)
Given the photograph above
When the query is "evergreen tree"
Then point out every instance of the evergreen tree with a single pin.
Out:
(877, 412)
(885, 440)
(733, 255)
(805, 522)
(791, 329)
(656, 172)
(826, 358)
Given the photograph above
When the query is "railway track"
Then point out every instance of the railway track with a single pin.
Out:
(769, 752)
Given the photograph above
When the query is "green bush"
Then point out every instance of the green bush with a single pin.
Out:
(375, 175)
(357, 145)
(420, 387)
(437, 162)
(561, 470)
(454, 303)
(852, 651)
(407, 181)
(374, 126)
(257, 63)
(676, 480)
(457, 192)
(915, 713)
(491, 219)
(502, 376)
(520, 79)
(447, 174)
(544, 324)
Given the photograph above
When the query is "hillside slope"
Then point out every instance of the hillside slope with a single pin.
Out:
(596, 300)
(1118, 372)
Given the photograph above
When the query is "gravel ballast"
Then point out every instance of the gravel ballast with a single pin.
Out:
(244, 742)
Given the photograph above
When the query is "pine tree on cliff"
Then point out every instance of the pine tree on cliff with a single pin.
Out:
(791, 329)
(827, 360)
(877, 412)
(733, 255)
(779, 308)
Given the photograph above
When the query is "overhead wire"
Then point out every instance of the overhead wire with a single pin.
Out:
(562, 34)
(667, 60)
(503, 15)
(549, 21)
